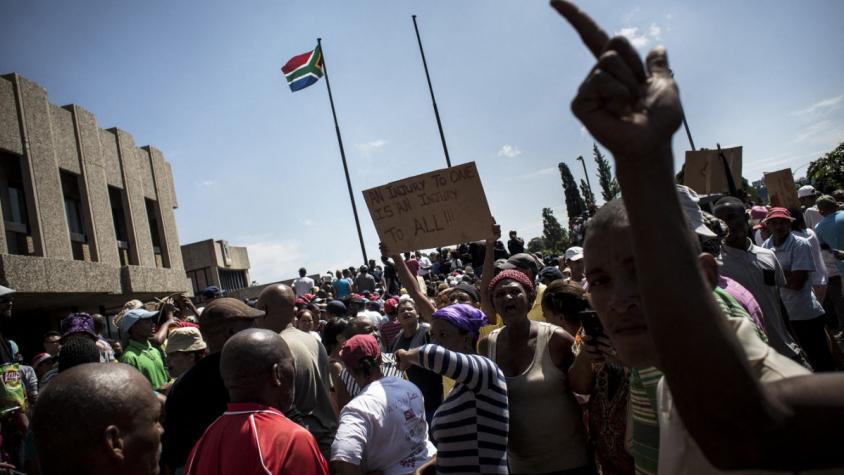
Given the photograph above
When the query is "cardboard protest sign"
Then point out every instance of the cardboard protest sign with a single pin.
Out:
(704, 170)
(438, 208)
(781, 188)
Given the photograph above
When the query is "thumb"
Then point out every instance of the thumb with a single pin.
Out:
(657, 62)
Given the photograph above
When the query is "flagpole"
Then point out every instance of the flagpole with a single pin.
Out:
(431, 88)
(342, 153)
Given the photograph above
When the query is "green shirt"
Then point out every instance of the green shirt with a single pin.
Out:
(147, 359)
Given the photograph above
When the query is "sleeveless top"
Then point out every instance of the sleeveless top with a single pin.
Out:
(546, 424)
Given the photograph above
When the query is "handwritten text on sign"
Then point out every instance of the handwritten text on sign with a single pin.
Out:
(434, 209)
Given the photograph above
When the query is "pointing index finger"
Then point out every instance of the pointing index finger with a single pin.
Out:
(593, 36)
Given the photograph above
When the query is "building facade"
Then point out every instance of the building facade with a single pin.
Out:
(216, 263)
(87, 217)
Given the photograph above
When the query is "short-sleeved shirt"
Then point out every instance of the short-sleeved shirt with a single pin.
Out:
(383, 429)
(830, 231)
(147, 360)
(252, 438)
(303, 285)
(795, 254)
(759, 271)
(365, 283)
(342, 288)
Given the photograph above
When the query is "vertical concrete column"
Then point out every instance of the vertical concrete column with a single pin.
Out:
(103, 237)
(164, 194)
(136, 219)
(41, 172)
(10, 137)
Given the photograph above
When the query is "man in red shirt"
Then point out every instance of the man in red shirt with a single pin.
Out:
(253, 436)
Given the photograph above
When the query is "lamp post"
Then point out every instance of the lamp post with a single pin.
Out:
(586, 174)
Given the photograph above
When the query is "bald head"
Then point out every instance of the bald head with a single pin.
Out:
(98, 418)
(257, 366)
(278, 301)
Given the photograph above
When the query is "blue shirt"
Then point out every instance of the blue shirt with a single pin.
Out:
(830, 230)
(796, 254)
(342, 288)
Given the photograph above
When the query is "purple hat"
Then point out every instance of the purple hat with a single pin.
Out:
(77, 323)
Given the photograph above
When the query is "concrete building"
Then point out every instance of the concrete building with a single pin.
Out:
(213, 262)
(87, 217)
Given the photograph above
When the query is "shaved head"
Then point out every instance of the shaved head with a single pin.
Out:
(98, 418)
(278, 301)
(257, 366)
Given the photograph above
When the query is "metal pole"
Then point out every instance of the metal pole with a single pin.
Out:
(685, 124)
(342, 153)
(431, 88)
(586, 174)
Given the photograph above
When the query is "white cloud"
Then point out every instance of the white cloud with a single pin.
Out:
(654, 31)
(826, 104)
(371, 146)
(272, 259)
(207, 183)
(509, 151)
(822, 132)
(538, 173)
(583, 131)
(638, 40)
(308, 222)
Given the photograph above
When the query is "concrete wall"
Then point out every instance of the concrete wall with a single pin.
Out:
(48, 139)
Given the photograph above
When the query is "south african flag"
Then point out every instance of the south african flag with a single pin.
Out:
(304, 69)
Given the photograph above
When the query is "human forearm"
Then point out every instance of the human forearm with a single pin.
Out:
(796, 279)
(486, 278)
(695, 348)
(408, 280)
(581, 376)
(345, 468)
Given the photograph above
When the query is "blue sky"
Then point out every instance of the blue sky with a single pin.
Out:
(259, 166)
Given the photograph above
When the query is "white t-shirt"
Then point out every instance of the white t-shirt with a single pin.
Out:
(384, 429)
(303, 285)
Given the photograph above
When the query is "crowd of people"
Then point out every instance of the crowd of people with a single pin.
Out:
(685, 336)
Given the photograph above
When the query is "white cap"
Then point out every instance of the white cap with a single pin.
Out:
(4, 291)
(806, 190)
(574, 253)
(689, 202)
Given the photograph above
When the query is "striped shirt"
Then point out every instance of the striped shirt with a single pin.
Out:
(470, 427)
(389, 367)
(643, 412)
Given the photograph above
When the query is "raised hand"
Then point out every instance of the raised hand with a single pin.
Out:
(630, 110)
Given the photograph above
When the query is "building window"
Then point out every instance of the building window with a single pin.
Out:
(232, 279)
(155, 231)
(118, 215)
(15, 209)
(73, 211)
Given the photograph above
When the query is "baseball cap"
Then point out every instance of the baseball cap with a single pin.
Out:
(778, 213)
(131, 317)
(390, 306)
(758, 212)
(805, 190)
(226, 308)
(5, 291)
(359, 347)
(336, 307)
(552, 273)
(77, 323)
(574, 253)
(212, 291)
(522, 261)
(689, 202)
(185, 339)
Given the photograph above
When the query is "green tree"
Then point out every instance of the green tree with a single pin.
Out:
(586, 192)
(536, 244)
(574, 202)
(827, 172)
(554, 236)
(609, 185)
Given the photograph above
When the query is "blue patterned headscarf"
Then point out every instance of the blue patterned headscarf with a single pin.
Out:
(463, 316)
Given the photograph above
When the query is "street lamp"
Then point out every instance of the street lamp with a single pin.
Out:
(586, 174)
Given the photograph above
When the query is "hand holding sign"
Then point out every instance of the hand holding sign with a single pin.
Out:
(630, 112)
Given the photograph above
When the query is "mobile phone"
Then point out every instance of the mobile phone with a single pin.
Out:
(591, 324)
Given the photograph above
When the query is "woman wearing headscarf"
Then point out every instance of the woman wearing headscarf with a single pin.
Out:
(383, 428)
(547, 434)
(471, 425)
